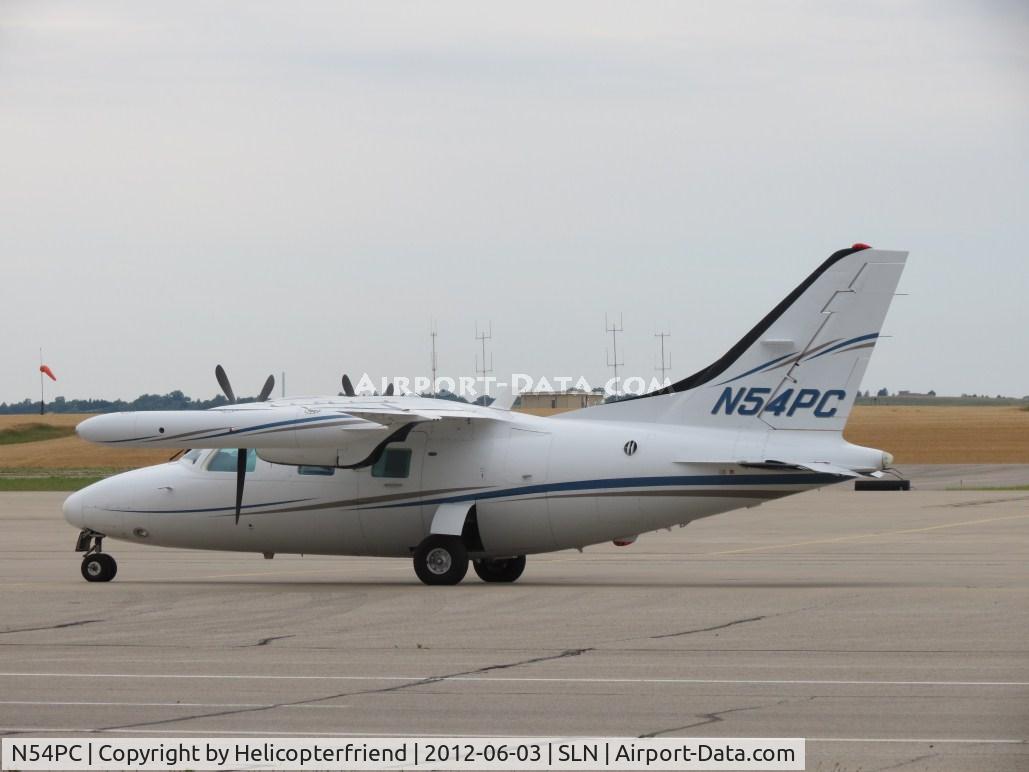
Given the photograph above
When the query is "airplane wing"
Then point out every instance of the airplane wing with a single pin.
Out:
(298, 425)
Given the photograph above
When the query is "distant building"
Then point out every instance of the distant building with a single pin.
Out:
(559, 400)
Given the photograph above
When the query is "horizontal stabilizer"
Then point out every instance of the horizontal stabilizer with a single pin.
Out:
(822, 467)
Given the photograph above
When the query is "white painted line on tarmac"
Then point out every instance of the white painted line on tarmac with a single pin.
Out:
(265, 705)
(854, 537)
(511, 679)
(277, 733)
(931, 740)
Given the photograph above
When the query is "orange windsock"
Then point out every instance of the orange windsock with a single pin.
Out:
(46, 369)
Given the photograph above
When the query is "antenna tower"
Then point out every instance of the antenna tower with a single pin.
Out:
(486, 369)
(612, 361)
(432, 360)
(664, 366)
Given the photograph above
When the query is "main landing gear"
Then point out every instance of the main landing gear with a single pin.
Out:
(500, 570)
(97, 566)
(443, 559)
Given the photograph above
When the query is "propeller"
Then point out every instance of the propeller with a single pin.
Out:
(223, 381)
(266, 390)
(348, 387)
(241, 453)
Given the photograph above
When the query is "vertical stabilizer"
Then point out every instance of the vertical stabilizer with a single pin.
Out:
(800, 367)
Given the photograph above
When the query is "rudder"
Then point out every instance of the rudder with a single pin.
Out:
(800, 367)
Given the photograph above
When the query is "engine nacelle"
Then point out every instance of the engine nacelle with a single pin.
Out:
(304, 457)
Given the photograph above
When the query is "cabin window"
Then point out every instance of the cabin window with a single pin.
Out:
(224, 460)
(326, 471)
(394, 462)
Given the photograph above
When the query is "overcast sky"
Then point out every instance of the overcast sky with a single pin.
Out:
(302, 186)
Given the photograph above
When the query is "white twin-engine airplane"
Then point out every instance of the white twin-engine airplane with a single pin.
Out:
(445, 483)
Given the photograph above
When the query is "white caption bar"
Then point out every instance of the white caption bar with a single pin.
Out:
(499, 753)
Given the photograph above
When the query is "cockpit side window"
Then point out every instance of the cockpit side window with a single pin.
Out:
(224, 460)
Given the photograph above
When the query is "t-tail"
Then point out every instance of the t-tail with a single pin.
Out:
(800, 367)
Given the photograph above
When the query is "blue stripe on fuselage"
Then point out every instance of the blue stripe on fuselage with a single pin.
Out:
(815, 478)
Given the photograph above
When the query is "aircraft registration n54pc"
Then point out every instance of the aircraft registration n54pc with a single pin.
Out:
(445, 483)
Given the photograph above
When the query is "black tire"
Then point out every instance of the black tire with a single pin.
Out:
(888, 484)
(99, 567)
(500, 570)
(441, 560)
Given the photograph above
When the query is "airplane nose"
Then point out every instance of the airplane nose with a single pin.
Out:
(73, 509)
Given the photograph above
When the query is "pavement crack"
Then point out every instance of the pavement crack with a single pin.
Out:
(706, 718)
(266, 641)
(906, 762)
(420, 682)
(709, 629)
(716, 717)
(477, 671)
(980, 502)
(52, 627)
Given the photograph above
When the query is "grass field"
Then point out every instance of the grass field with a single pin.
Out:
(943, 435)
(33, 432)
(69, 452)
(49, 483)
(46, 455)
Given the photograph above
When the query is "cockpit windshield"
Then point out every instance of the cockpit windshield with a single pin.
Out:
(191, 456)
(224, 460)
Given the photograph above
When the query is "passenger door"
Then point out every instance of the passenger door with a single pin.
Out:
(388, 493)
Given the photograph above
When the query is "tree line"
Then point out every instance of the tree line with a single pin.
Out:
(173, 400)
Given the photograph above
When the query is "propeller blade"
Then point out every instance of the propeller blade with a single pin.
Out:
(389, 390)
(348, 387)
(223, 381)
(266, 390)
(241, 473)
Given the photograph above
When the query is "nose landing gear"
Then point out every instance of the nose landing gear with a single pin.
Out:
(97, 566)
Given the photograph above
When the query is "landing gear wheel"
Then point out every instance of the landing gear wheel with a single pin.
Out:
(441, 560)
(99, 567)
(501, 570)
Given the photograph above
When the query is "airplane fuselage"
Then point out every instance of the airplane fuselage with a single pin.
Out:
(537, 485)
(452, 484)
